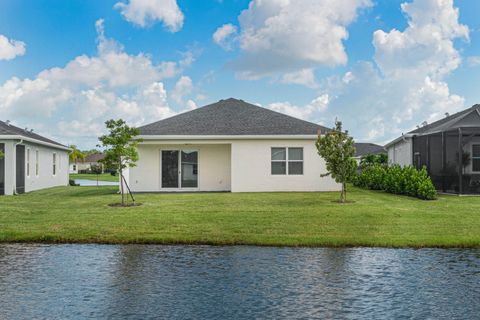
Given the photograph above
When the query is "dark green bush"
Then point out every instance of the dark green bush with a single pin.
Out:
(398, 180)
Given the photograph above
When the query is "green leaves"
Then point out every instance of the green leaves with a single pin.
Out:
(398, 180)
(120, 145)
(75, 154)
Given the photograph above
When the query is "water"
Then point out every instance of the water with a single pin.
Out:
(201, 282)
(90, 183)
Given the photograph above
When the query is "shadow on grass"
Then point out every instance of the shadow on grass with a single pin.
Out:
(80, 192)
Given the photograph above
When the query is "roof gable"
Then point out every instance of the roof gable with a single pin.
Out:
(231, 117)
(11, 130)
(466, 118)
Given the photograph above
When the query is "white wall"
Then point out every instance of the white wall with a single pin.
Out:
(213, 166)
(251, 168)
(45, 177)
(9, 166)
(401, 152)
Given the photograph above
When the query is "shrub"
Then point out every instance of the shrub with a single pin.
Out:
(398, 180)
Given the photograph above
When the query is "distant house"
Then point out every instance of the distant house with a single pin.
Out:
(363, 149)
(30, 162)
(448, 148)
(85, 166)
(230, 145)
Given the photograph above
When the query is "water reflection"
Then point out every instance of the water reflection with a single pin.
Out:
(198, 282)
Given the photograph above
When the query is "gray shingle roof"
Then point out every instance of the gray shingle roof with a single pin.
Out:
(447, 122)
(11, 130)
(232, 117)
(362, 149)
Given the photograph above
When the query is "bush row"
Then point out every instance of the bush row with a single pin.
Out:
(398, 180)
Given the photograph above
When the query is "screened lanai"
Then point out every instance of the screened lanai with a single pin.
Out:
(450, 149)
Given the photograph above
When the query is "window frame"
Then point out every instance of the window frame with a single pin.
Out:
(54, 164)
(475, 157)
(287, 161)
(27, 162)
(37, 161)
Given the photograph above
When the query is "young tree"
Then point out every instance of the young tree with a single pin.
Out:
(75, 154)
(337, 149)
(120, 149)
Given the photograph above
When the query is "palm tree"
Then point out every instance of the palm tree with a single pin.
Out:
(75, 154)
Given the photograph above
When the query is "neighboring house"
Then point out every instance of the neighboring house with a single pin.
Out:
(31, 162)
(233, 146)
(448, 148)
(363, 149)
(85, 166)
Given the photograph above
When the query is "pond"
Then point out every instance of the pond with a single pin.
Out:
(239, 282)
(93, 183)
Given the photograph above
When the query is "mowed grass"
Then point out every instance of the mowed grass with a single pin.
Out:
(90, 176)
(82, 214)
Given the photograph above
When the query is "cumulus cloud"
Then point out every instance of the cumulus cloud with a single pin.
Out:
(144, 13)
(473, 61)
(313, 111)
(182, 88)
(9, 48)
(304, 77)
(223, 36)
(406, 83)
(76, 99)
(281, 36)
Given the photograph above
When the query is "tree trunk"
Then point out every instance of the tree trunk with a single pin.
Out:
(121, 186)
(343, 194)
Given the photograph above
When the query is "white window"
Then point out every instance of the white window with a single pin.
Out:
(28, 162)
(287, 161)
(54, 161)
(36, 163)
(476, 157)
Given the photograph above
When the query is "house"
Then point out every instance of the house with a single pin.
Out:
(448, 148)
(230, 145)
(85, 165)
(30, 161)
(363, 149)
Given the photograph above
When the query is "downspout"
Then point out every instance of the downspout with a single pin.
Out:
(15, 165)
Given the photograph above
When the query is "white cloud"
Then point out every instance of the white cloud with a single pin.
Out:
(223, 36)
(281, 36)
(406, 85)
(304, 77)
(147, 12)
(473, 61)
(312, 111)
(9, 48)
(75, 100)
(182, 88)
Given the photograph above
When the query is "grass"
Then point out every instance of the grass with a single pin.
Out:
(82, 215)
(90, 176)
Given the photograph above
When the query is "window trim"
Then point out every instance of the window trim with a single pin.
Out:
(27, 162)
(287, 161)
(475, 158)
(54, 164)
(37, 163)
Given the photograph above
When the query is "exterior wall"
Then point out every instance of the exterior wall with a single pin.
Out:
(9, 166)
(251, 168)
(45, 177)
(401, 152)
(213, 167)
(73, 168)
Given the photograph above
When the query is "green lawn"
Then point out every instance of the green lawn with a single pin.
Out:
(101, 177)
(82, 214)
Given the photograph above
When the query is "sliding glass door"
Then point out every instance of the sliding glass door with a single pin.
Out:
(179, 169)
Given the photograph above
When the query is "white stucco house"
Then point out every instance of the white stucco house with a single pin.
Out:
(31, 162)
(232, 146)
(449, 148)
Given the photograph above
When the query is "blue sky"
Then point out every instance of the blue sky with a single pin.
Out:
(382, 67)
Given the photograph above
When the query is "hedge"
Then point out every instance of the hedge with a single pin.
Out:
(398, 180)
